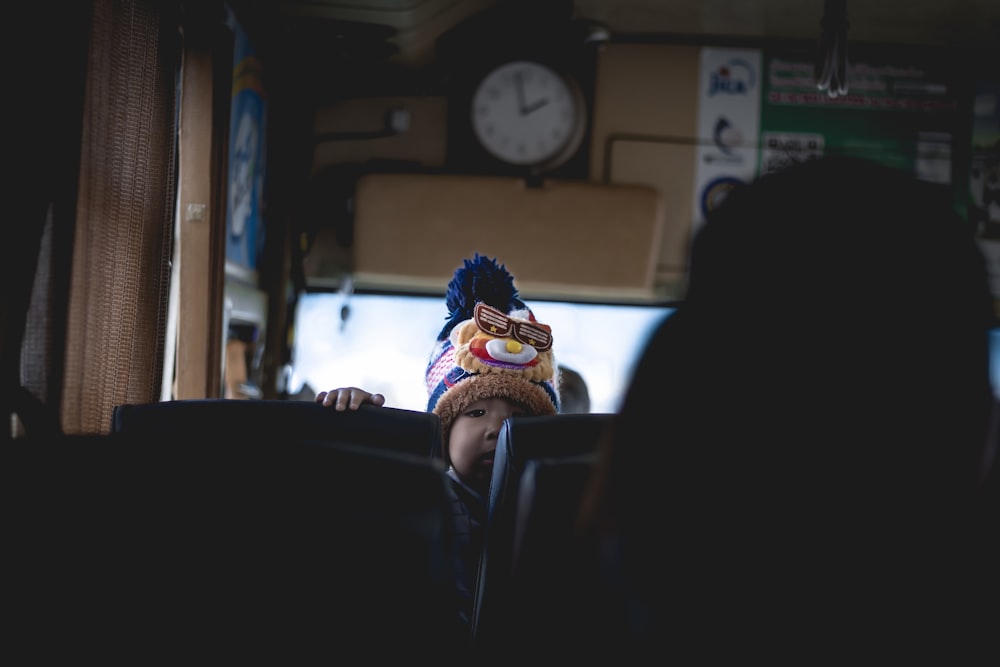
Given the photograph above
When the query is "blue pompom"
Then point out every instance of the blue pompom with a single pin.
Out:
(480, 279)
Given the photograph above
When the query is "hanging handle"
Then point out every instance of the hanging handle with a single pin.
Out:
(831, 70)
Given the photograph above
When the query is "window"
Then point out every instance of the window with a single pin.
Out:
(382, 344)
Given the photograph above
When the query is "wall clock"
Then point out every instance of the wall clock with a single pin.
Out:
(528, 114)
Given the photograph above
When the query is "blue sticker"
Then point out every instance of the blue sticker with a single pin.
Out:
(715, 191)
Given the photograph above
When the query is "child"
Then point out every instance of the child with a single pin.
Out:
(492, 360)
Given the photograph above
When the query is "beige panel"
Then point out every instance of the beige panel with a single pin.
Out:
(423, 142)
(644, 130)
(644, 89)
(565, 239)
(667, 167)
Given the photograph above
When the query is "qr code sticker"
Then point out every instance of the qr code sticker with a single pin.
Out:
(779, 150)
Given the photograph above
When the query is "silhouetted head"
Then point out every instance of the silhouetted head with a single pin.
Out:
(573, 393)
(837, 301)
(808, 426)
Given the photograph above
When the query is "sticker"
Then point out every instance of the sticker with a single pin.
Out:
(715, 191)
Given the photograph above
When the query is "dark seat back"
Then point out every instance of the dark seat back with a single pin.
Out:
(539, 471)
(547, 505)
(556, 601)
(232, 421)
(302, 546)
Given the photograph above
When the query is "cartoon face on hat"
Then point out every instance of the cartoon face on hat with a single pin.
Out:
(491, 347)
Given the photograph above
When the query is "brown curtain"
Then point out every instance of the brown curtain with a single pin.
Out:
(119, 283)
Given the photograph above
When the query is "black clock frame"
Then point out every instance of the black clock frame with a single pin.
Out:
(464, 152)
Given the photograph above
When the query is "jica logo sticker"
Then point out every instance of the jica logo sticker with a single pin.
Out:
(734, 78)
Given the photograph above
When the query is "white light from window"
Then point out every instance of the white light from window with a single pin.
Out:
(384, 342)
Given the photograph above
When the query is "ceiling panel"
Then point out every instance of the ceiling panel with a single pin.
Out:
(416, 24)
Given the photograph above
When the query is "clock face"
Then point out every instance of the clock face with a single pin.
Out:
(525, 113)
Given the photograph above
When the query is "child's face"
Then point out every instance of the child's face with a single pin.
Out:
(473, 439)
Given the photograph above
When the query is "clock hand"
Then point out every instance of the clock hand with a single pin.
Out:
(535, 107)
(519, 81)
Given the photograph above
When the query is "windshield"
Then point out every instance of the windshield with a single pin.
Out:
(381, 344)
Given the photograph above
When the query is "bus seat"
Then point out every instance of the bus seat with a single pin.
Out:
(556, 594)
(347, 546)
(567, 445)
(233, 421)
(550, 494)
(114, 549)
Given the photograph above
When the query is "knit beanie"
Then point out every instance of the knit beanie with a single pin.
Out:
(490, 347)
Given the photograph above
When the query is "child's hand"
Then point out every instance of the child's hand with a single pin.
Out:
(348, 398)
